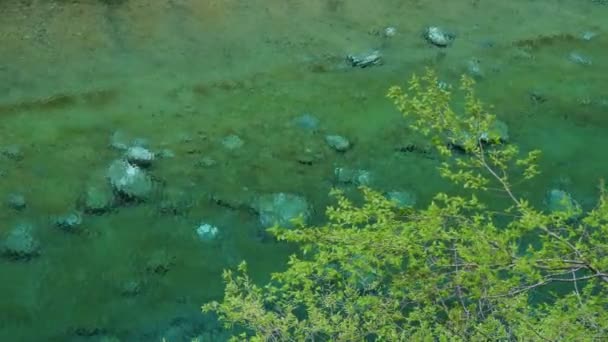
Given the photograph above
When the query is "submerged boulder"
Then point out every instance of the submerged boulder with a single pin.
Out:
(97, 198)
(20, 243)
(560, 201)
(403, 199)
(130, 180)
(140, 156)
(281, 209)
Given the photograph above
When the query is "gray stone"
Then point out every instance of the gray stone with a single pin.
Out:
(21, 243)
(98, 199)
(207, 162)
(499, 131)
(166, 153)
(438, 36)
(12, 152)
(307, 122)
(130, 180)
(403, 199)
(474, 68)
(338, 142)
(207, 232)
(16, 201)
(588, 35)
(119, 141)
(353, 176)
(365, 60)
(131, 288)
(232, 142)
(68, 222)
(140, 156)
(175, 201)
(561, 201)
(281, 209)
(579, 58)
(160, 262)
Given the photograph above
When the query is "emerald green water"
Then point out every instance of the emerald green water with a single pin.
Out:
(185, 74)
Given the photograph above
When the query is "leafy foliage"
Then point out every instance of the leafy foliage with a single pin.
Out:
(454, 271)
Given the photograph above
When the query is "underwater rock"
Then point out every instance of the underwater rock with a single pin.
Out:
(438, 36)
(97, 199)
(139, 156)
(119, 141)
(307, 122)
(498, 133)
(16, 201)
(130, 180)
(338, 142)
(281, 208)
(166, 153)
(588, 35)
(131, 288)
(352, 176)
(390, 32)
(308, 156)
(13, 152)
(206, 162)
(498, 130)
(232, 142)
(579, 58)
(20, 243)
(160, 262)
(474, 68)
(561, 201)
(175, 202)
(365, 60)
(68, 222)
(207, 232)
(403, 199)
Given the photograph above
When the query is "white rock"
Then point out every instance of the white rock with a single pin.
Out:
(139, 155)
(207, 232)
(437, 36)
(390, 31)
(129, 180)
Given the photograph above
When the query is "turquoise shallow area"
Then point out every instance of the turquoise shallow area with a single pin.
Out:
(183, 75)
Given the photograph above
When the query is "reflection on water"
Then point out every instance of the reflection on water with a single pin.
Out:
(145, 144)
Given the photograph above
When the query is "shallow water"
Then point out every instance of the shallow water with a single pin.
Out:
(185, 74)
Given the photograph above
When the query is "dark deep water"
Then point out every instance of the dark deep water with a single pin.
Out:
(218, 90)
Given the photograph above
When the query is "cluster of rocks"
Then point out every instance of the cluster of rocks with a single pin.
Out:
(126, 180)
(432, 34)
